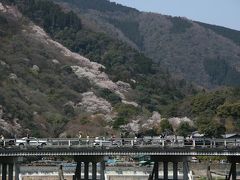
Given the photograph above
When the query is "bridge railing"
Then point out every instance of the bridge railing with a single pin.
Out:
(130, 142)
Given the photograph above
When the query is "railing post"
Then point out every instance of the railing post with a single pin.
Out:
(132, 143)
(194, 143)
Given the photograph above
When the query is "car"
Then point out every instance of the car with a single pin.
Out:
(105, 143)
(99, 142)
(7, 143)
(31, 141)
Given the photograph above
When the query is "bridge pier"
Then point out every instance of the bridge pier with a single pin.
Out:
(7, 166)
(4, 171)
(166, 160)
(175, 170)
(233, 171)
(86, 160)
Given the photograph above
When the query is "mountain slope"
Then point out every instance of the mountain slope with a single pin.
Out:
(47, 90)
(44, 87)
(198, 53)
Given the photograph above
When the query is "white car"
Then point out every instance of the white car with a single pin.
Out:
(31, 141)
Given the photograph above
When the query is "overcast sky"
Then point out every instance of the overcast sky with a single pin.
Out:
(219, 12)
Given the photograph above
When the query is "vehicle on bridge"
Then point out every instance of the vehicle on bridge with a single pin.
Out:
(7, 143)
(31, 141)
(106, 143)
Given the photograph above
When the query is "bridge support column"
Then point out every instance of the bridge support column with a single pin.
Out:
(86, 170)
(4, 171)
(89, 159)
(102, 171)
(175, 170)
(94, 170)
(7, 166)
(185, 170)
(17, 171)
(156, 170)
(175, 160)
(233, 171)
(10, 171)
(165, 170)
(77, 175)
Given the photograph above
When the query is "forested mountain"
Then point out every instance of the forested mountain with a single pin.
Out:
(204, 54)
(49, 90)
(44, 84)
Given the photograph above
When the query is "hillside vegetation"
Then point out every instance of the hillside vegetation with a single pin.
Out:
(121, 62)
(210, 109)
(46, 91)
(40, 90)
(188, 49)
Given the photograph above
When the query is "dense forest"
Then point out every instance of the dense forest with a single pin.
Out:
(35, 89)
(155, 88)
(174, 43)
(100, 5)
(234, 35)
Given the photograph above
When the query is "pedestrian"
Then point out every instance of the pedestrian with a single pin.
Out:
(80, 137)
(60, 173)
(28, 140)
(87, 140)
(2, 141)
(122, 138)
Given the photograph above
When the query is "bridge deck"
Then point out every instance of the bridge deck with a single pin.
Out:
(123, 151)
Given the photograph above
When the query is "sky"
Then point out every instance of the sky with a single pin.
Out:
(218, 12)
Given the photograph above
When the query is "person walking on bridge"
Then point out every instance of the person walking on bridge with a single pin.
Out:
(60, 173)
(80, 137)
(2, 141)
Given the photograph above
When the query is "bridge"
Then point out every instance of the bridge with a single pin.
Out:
(89, 151)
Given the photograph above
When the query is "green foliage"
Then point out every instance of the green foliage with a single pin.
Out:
(100, 5)
(49, 15)
(125, 112)
(123, 63)
(179, 25)
(229, 109)
(108, 95)
(207, 103)
(234, 35)
(208, 107)
(221, 73)
(130, 28)
(210, 127)
(55, 118)
(165, 126)
(184, 129)
(44, 92)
